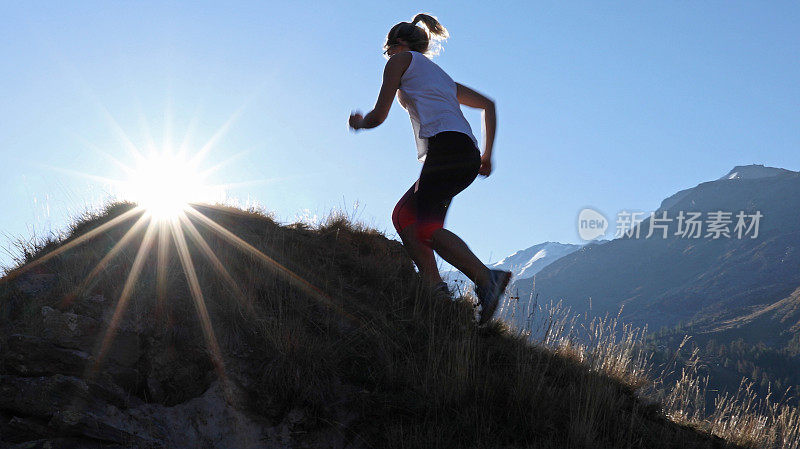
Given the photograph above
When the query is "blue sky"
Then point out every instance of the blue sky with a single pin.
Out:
(610, 105)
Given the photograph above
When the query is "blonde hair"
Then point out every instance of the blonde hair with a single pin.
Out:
(426, 40)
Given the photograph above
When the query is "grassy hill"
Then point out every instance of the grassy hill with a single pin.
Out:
(231, 330)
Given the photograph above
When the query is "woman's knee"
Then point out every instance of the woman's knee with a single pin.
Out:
(404, 213)
(424, 232)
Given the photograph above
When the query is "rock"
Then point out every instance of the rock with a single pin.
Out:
(33, 356)
(175, 373)
(65, 443)
(123, 377)
(107, 425)
(94, 306)
(44, 396)
(28, 356)
(19, 430)
(113, 394)
(155, 392)
(70, 330)
(125, 349)
(211, 420)
(35, 284)
(73, 407)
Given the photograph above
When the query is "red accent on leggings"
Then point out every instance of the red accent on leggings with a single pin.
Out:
(405, 214)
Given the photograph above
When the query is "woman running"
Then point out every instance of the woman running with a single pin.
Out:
(447, 147)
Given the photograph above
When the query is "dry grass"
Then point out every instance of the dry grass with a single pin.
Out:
(606, 346)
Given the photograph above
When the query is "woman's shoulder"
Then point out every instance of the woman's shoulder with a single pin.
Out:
(404, 55)
(400, 61)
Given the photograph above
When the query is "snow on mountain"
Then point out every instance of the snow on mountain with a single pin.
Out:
(528, 262)
(523, 264)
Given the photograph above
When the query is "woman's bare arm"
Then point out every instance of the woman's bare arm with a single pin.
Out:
(392, 74)
(473, 99)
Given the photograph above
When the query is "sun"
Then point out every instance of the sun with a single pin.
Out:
(164, 184)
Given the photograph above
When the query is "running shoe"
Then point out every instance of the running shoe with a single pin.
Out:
(490, 294)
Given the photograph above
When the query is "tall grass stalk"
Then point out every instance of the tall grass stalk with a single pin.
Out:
(606, 345)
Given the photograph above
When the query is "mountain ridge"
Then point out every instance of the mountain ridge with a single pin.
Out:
(778, 235)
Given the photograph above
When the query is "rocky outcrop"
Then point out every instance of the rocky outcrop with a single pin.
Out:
(69, 411)
(145, 393)
(34, 356)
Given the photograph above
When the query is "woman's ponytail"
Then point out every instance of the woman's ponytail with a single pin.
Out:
(434, 27)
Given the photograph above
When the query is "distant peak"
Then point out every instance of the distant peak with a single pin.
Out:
(755, 171)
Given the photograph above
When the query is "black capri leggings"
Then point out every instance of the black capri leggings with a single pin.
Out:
(451, 164)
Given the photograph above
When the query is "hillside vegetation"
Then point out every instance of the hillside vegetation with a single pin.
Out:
(321, 338)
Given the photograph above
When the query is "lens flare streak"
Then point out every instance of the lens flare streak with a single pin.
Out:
(130, 282)
(289, 275)
(73, 243)
(197, 294)
(161, 266)
(110, 255)
(215, 262)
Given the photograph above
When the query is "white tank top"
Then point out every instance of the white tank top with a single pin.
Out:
(429, 96)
